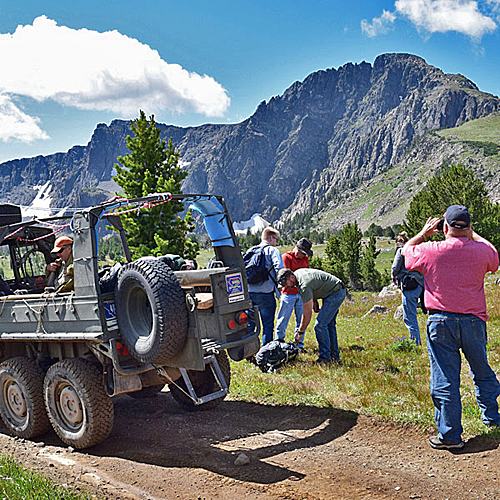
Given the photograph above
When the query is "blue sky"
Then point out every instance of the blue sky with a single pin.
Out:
(67, 66)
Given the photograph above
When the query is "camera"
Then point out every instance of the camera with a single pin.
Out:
(440, 225)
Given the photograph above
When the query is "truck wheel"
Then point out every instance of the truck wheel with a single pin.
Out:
(79, 409)
(203, 384)
(147, 392)
(151, 311)
(21, 398)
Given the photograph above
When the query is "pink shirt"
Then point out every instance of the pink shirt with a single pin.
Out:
(454, 271)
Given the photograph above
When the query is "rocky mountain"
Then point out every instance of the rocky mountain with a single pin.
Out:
(335, 133)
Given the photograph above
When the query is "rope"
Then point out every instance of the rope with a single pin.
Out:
(140, 207)
(39, 315)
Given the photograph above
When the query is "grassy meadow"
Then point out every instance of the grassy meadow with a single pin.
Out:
(382, 372)
(18, 483)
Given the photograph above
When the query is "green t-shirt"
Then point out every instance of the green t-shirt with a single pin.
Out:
(316, 284)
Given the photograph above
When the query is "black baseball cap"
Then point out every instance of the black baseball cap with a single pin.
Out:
(457, 216)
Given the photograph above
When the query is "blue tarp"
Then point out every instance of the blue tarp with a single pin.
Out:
(215, 219)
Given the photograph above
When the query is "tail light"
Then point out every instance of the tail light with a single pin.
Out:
(122, 349)
(242, 318)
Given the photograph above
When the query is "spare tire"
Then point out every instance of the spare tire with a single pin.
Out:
(151, 311)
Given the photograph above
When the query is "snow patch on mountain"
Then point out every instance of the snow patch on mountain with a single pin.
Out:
(256, 224)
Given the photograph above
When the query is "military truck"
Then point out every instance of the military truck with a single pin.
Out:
(125, 329)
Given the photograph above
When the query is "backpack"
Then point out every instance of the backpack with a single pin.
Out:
(175, 262)
(255, 265)
(275, 354)
(108, 277)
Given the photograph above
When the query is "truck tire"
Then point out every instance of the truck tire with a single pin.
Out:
(203, 384)
(151, 311)
(79, 409)
(21, 398)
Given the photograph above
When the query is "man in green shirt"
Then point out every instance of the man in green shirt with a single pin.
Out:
(314, 284)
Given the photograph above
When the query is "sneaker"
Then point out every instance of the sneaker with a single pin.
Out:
(441, 444)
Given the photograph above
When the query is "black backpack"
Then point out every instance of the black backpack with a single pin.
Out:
(275, 354)
(255, 265)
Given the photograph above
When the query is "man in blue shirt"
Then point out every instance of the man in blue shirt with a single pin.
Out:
(263, 294)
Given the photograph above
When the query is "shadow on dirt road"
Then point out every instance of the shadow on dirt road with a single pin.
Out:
(156, 431)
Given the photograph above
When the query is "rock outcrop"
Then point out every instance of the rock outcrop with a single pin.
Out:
(337, 129)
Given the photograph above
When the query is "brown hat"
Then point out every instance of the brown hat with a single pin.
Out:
(283, 275)
(61, 242)
(304, 245)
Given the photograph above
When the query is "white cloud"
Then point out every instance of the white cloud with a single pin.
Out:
(379, 25)
(441, 16)
(17, 125)
(96, 71)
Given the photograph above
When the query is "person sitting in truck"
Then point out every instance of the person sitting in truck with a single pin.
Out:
(63, 265)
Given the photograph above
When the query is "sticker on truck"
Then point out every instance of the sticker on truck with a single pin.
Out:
(234, 287)
(110, 315)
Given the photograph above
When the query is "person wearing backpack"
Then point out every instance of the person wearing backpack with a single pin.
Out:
(290, 300)
(262, 293)
(411, 284)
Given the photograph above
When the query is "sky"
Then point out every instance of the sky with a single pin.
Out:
(66, 66)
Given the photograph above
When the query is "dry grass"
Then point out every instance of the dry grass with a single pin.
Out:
(379, 375)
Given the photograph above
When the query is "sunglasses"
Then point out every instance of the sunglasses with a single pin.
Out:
(62, 248)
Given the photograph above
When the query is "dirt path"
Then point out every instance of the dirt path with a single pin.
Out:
(157, 451)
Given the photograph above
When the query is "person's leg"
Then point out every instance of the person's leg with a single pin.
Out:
(443, 345)
(299, 310)
(410, 301)
(254, 297)
(326, 315)
(474, 339)
(267, 309)
(332, 326)
(284, 314)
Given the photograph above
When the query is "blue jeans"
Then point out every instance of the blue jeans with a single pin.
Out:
(410, 301)
(326, 328)
(267, 310)
(288, 304)
(447, 333)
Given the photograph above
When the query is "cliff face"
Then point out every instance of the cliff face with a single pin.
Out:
(337, 128)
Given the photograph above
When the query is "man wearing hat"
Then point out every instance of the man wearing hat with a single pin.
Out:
(290, 300)
(313, 285)
(454, 271)
(63, 265)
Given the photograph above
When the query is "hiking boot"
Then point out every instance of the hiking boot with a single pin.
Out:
(492, 424)
(322, 361)
(441, 444)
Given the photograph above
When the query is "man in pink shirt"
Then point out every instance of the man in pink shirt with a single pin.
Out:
(454, 271)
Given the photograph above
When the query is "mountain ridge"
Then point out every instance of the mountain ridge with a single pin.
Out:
(335, 130)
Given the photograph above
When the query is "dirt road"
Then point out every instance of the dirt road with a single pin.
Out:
(157, 451)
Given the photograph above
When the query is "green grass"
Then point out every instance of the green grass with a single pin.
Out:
(381, 374)
(483, 130)
(18, 483)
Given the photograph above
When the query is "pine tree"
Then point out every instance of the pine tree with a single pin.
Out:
(343, 255)
(455, 185)
(152, 166)
(371, 277)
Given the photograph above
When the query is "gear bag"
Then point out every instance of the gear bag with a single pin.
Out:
(275, 354)
(408, 283)
(255, 265)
